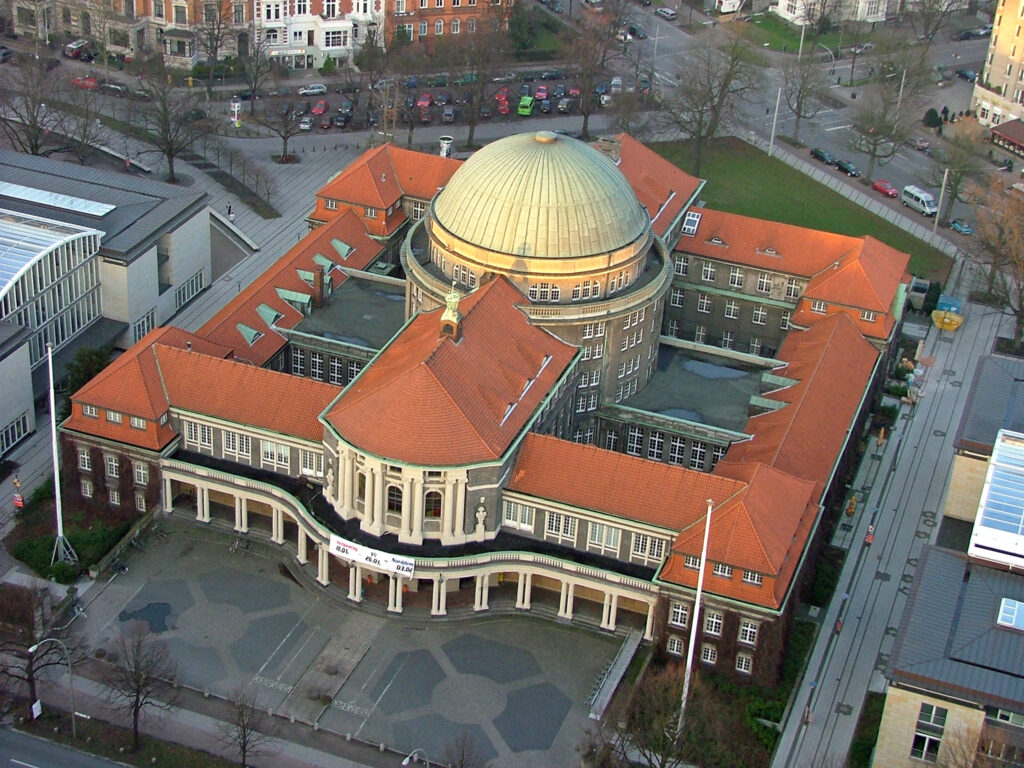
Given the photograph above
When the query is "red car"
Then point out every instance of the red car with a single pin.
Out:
(883, 186)
(321, 107)
(502, 94)
(541, 93)
(574, 91)
(88, 83)
(425, 101)
(503, 108)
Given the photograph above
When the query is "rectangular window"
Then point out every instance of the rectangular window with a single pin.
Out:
(316, 366)
(744, 663)
(518, 516)
(748, 632)
(867, 317)
(205, 436)
(634, 441)
(792, 288)
(707, 272)
(759, 315)
(674, 645)
(86, 489)
(114, 417)
(115, 498)
(755, 346)
(275, 455)
(703, 303)
(708, 654)
(764, 283)
(819, 307)
(312, 463)
(137, 423)
(336, 370)
(561, 527)
(682, 265)
(699, 334)
(679, 614)
(611, 437)
(113, 469)
(717, 454)
(752, 577)
(732, 309)
(713, 623)
(698, 452)
(735, 277)
(84, 459)
(727, 339)
(692, 562)
(141, 473)
(723, 570)
(784, 320)
(604, 537)
(655, 445)
(931, 723)
(140, 502)
(676, 300)
(90, 411)
(676, 450)
(298, 361)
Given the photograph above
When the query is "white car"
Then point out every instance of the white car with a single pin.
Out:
(667, 13)
(313, 89)
(306, 124)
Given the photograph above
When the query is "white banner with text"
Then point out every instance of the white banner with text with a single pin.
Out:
(384, 561)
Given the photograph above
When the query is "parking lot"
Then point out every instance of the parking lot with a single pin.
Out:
(517, 685)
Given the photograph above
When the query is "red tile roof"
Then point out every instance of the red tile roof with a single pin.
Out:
(661, 187)
(628, 487)
(284, 274)
(429, 400)
(833, 365)
(154, 376)
(762, 529)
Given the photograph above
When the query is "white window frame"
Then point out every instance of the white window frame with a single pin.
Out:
(722, 570)
(709, 654)
(84, 459)
(748, 632)
(732, 309)
(708, 271)
(753, 577)
(713, 621)
(764, 282)
(819, 307)
(675, 645)
(112, 466)
(518, 515)
(560, 526)
(759, 315)
(703, 303)
(276, 456)
(141, 472)
(744, 663)
(735, 277)
(603, 537)
(679, 614)
(86, 488)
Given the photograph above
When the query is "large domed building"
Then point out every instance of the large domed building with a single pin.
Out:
(561, 222)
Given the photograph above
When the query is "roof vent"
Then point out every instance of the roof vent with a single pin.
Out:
(716, 240)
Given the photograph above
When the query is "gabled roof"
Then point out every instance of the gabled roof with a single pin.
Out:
(161, 371)
(662, 188)
(431, 400)
(652, 492)
(245, 323)
(762, 529)
(832, 364)
(380, 176)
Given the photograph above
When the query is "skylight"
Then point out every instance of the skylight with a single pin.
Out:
(690, 223)
(998, 533)
(55, 200)
(1011, 614)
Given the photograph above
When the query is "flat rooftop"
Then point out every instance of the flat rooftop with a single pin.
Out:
(700, 387)
(362, 311)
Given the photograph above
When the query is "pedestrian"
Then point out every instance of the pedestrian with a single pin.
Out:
(229, 210)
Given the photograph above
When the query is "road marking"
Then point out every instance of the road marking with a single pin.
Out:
(27, 765)
(840, 127)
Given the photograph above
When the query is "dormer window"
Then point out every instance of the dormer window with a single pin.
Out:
(370, 213)
(90, 411)
(331, 205)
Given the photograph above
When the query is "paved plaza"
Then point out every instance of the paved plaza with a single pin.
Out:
(517, 685)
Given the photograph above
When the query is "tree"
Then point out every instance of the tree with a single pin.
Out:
(463, 752)
(256, 65)
(930, 17)
(590, 51)
(651, 720)
(721, 74)
(803, 89)
(87, 362)
(214, 33)
(81, 123)
(98, 19)
(881, 121)
(140, 677)
(282, 122)
(25, 119)
(964, 161)
(172, 120)
(999, 241)
(244, 731)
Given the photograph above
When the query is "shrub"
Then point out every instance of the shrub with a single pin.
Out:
(932, 119)
(826, 575)
(896, 389)
(931, 299)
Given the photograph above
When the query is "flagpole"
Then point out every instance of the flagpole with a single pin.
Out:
(63, 552)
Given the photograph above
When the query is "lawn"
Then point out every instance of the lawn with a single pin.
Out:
(782, 36)
(784, 194)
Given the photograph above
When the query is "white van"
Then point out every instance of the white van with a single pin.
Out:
(919, 200)
(666, 13)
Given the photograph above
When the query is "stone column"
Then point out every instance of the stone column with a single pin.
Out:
(565, 600)
(323, 573)
(521, 590)
(277, 519)
(168, 501)
(611, 603)
(416, 518)
(203, 499)
(245, 515)
(435, 597)
(649, 629)
(238, 514)
(480, 599)
(300, 545)
(348, 484)
(448, 506)
(407, 497)
(527, 590)
(395, 594)
(459, 527)
(355, 583)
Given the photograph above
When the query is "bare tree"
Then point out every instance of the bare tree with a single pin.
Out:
(140, 679)
(589, 52)
(999, 244)
(463, 752)
(651, 720)
(214, 33)
(282, 122)
(82, 124)
(244, 732)
(256, 65)
(964, 161)
(803, 88)
(172, 120)
(21, 667)
(97, 19)
(721, 73)
(25, 119)
(929, 17)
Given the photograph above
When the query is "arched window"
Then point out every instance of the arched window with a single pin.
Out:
(455, 26)
(432, 504)
(439, 27)
(471, 26)
(394, 498)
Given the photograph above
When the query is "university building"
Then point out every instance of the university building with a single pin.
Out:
(461, 382)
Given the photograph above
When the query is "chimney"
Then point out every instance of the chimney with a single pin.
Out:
(610, 147)
(188, 345)
(451, 320)
(446, 145)
(318, 288)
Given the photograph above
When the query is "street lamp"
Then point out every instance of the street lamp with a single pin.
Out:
(409, 757)
(71, 675)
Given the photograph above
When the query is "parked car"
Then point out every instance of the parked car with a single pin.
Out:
(111, 88)
(349, 87)
(326, 121)
(426, 116)
(552, 74)
(443, 98)
(967, 74)
(342, 119)
(847, 167)
(916, 142)
(85, 83)
(961, 226)
(861, 49)
(246, 94)
(5, 54)
(425, 100)
(667, 13)
(313, 89)
(542, 92)
(438, 81)
(485, 111)
(506, 77)
(412, 83)
(883, 186)
(557, 7)
(74, 50)
(321, 107)
(565, 106)
(524, 89)
(448, 115)
(637, 31)
(503, 107)
(615, 87)
(558, 92)
(502, 93)
(823, 155)
(306, 124)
